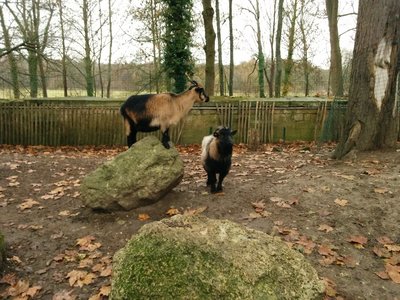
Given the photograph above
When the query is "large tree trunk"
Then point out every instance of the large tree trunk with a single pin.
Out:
(372, 114)
(231, 63)
(278, 72)
(208, 14)
(219, 40)
(336, 73)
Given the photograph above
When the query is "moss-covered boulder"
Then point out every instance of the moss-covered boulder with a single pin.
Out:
(193, 257)
(2, 251)
(139, 176)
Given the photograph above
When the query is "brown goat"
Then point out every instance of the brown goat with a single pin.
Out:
(151, 112)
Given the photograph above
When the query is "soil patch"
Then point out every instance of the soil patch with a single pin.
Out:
(343, 215)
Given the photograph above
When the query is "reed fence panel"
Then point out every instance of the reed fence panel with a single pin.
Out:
(56, 124)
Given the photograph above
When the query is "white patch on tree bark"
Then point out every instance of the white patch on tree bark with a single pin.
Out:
(396, 96)
(382, 64)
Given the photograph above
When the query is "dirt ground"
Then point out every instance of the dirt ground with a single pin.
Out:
(343, 215)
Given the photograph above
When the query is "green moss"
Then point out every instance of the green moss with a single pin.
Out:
(152, 269)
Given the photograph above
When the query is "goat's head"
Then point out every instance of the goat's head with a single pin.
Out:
(224, 134)
(202, 96)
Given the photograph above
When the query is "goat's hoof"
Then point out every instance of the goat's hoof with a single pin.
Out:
(166, 146)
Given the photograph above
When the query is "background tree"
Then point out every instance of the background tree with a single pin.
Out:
(219, 41)
(88, 55)
(208, 15)
(10, 55)
(255, 11)
(336, 79)
(271, 76)
(372, 116)
(178, 60)
(292, 14)
(63, 47)
(278, 73)
(231, 48)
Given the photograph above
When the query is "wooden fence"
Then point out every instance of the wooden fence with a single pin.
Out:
(55, 123)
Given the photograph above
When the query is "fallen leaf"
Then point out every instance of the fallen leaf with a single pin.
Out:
(18, 289)
(381, 252)
(172, 211)
(196, 211)
(393, 248)
(258, 206)
(28, 203)
(143, 217)
(357, 240)
(10, 279)
(64, 295)
(384, 240)
(381, 190)
(80, 278)
(341, 202)
(324, 227)
(382, 275)
(86, 243)
(32, 291)
(393, 272)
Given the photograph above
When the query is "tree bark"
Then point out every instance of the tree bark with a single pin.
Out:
(208, 14)
(231, 63)
(220, 62)
(372, 116)
(336, 56)
(278, 72)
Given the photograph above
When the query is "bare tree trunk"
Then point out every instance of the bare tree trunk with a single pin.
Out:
(261, 59)
(155, 38)
(208, 14)
(372, 114)
(87, 59)
(278, 73)
(289, 60)
(336, 56)
(64, 52)
(304, 41)
(231, 63)
(270, 78)
(108, 95)
(220, 62)
(10, 56)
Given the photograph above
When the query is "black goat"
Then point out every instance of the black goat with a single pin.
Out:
(146, 113)
(216, 156)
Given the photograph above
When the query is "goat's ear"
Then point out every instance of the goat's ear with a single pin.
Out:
(233, 132)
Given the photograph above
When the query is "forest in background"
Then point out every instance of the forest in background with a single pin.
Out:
(108, 49)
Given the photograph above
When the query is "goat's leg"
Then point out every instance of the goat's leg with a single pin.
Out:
(130, 130)
(131, 138)
(212, 180)
(165, 138)
(221, 177)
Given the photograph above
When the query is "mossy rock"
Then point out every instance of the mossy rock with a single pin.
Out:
(2, 251)
(193, 257)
